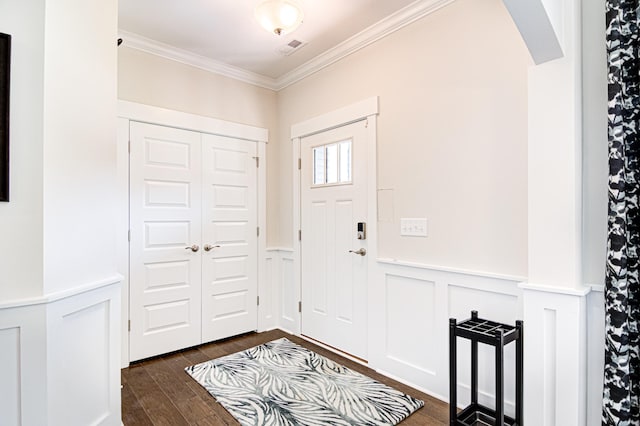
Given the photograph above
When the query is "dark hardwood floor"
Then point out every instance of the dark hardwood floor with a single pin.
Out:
(158, 391)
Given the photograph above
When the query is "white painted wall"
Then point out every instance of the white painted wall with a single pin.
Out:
(555, 162)
(21, 218)
(452, 135)
(79, 142)
(59, 293)
(152, 80)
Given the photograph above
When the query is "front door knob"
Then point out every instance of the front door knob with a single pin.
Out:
(361, 252)
(194, 248)
(208, 247)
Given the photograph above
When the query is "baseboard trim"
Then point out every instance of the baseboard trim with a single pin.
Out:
(334, 350)
(413, 385)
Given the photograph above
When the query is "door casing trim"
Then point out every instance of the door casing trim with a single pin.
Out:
(366, 109)
(132, 111)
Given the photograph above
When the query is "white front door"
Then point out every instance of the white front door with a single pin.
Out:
(165, 275)
(230, 262)
(334, 200)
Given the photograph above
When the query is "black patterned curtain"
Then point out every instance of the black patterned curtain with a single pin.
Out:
(622, 292)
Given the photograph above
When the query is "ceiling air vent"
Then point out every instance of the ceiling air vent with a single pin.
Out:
(291, 47)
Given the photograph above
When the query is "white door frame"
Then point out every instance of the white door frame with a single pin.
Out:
(131, 111)
(366, 109)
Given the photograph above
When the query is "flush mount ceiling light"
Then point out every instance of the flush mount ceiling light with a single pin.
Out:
(279, 16)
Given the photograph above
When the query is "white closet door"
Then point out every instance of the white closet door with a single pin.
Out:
(229, 268)
(166, 211)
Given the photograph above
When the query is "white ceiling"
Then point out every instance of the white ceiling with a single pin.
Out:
(227, 32)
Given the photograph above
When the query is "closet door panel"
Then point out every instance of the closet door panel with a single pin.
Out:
(166, 211)
(229, 269)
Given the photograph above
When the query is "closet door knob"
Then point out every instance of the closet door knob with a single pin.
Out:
(194, 248)
(208, 247)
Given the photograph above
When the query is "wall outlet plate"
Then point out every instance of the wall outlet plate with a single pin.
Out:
(413, 227)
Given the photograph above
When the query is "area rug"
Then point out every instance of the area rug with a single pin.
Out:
(283, 384)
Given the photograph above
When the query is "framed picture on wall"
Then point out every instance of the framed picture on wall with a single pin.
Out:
(5, 66)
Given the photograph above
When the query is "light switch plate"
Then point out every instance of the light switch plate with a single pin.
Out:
(413, 227)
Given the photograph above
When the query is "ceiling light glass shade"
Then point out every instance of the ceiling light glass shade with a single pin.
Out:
(279, 16)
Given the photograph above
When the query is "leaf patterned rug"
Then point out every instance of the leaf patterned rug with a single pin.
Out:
(283, 384)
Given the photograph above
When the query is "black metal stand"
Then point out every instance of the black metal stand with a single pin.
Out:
(497, 335)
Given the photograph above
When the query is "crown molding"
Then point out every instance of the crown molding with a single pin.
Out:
(375, 32)
(136, 41)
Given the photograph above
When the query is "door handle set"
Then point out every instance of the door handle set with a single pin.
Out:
(207, 247)
(361, 252)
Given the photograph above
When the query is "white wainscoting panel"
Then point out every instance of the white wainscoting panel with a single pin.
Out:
(289, 295)
(23, 366)
(285, 289)
(60, 358)
(555, 363)
(268, 291)
(410, 324)
(416, 303)
(409, 310)
(83, 363)
(10, 373)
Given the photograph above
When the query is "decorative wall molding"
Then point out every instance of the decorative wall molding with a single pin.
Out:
(381, 29)
(285, 289)
(73, 342)
(83, 358)
(23, 364)
(555, 372)
(136, 41)
(514, 278)
(269, 291)
(409, 312)
(580, 292)
(410, 301)
(10, 389)
(370, 35)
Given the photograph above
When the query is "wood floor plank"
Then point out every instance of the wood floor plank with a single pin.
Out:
(158, 391)
(212, 403)
(173, 384)
(196, 411)
(134, 414)
(159, 408)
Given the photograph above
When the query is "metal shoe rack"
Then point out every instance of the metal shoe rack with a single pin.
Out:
(496, 335)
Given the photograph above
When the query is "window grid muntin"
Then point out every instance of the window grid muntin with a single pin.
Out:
(323, 173)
